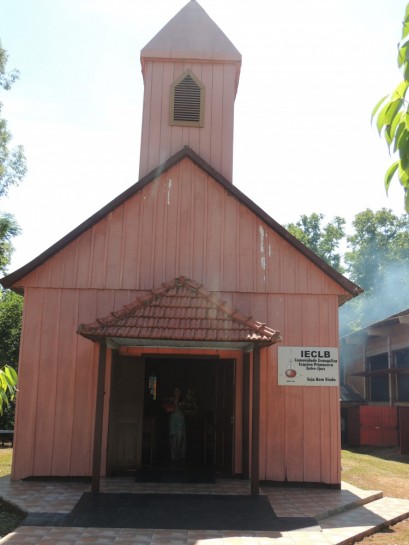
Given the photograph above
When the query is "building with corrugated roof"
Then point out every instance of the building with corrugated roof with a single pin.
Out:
(376, 365)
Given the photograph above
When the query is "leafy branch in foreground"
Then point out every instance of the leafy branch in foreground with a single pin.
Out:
(8, 386)
(392, 118)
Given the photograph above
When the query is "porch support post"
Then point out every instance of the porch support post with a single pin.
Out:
(99, 410)
(255, 427)
(246, 416)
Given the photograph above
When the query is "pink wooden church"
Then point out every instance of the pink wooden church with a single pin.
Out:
(181, 279)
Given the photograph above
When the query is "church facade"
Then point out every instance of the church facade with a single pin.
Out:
(180, 280)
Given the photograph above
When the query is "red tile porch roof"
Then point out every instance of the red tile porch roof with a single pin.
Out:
(181, 310)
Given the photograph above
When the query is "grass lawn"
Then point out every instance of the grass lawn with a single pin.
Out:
(5, 461)
(383, 469)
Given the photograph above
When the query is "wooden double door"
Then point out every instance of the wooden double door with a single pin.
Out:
(137, 433)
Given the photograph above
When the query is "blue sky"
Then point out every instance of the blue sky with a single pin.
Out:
(312, 72)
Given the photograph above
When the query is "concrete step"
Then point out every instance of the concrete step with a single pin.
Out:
(352, 497)
(352, 525)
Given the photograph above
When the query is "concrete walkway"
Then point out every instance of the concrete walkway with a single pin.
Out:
(344, 515)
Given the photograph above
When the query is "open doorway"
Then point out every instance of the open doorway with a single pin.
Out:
(207, 387)
(207, 400)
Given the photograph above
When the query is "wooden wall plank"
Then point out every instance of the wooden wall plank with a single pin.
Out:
(70, 267)
(165, 129)
(170, 235)
(229, 75)
(274, 279)
(86, 357)
(177, 142)
(246, 255)
(294, 439)
(46, 396)
(65, 384)
(213, 235)
(155, 117)
(57, 269)
(84, 257)
(327, 423)
(205, 136)
(115, 248)
(311, 415)
(131, 243)
(275, 425)
(146, 118)
(146, 230)
(99, 254)
(216, 124)
(229, 243)
(199, 225)
(192, 134)
(288, 268)
(184, 250)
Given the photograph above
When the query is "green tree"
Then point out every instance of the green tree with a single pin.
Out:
(12, 160)
(8, 229)
(380, 242)
(324, 240)
(11, 309)
(378, 260)
(392, 118)
(12, 170)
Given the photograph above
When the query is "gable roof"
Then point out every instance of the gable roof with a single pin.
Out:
(11, 280)
(180, 310)
(191, 34)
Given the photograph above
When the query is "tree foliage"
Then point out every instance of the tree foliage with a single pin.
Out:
(12, 170)
(392, 118)
(12, 160)
(376, 258)
(11, 309)
(324, 240)
(8, 229)
(379, 244)
(8, 386)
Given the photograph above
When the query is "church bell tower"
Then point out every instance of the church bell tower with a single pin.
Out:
(191, 73)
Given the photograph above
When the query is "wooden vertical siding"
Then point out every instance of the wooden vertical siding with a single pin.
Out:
(214, 141)
(183, 223)
(299, 426)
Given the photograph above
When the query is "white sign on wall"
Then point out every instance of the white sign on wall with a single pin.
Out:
(307, 366)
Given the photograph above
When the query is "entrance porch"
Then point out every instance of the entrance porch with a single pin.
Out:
(48, 503)
(180, 319)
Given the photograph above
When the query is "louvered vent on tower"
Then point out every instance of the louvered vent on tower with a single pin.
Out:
(187, 101)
